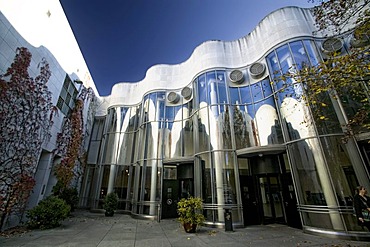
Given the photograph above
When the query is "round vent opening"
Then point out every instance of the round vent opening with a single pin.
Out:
(173, 97)
(186, 92)
(257, 70)
(360, 40)
(236, 76)
(332, 45)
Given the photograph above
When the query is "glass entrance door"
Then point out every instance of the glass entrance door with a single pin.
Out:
(178, 182)
(271, 203)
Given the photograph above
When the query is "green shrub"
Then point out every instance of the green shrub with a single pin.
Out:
(190, 210)
(69, 195)
(49, 213)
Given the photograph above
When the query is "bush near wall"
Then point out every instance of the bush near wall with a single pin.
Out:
(49, 213)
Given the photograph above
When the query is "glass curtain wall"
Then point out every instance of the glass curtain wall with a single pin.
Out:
(255, 117)
(178, 128)
(230, 118)
(117, 153)
(148, 155)
(219, 119)
(215, 146)
(320, 162)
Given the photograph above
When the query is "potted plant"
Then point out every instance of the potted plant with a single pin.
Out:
(190, 213)
(110, 204)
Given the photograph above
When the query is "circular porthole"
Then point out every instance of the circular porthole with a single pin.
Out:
(257, 70)
(331, 45)
(173, 97)
(360, 40)
(186, 92)
(236, 76)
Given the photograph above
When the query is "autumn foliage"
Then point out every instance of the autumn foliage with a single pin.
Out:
(341, 77)
(25, 119)
(70, 140)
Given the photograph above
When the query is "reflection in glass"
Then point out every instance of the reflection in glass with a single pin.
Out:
(340, 168)
(314, 179)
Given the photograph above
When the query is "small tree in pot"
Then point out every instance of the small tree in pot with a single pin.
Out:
(110, 204)
(190, 213)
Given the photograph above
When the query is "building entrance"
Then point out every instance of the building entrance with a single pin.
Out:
(267, 192)
(270, 197)
(178, 182)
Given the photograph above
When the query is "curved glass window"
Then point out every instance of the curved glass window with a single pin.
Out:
(245, 95)
(234, 95)
(288, 58)
(256, 121)
(312, 53)
(178, 133)
(203, 130)
(221, 87)
(153, 107)
(201, 90)
(299, 55)
(211, 89)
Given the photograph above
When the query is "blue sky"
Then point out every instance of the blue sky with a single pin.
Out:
(121, 39)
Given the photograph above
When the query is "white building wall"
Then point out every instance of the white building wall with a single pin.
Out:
(43, 23)
(25, 23)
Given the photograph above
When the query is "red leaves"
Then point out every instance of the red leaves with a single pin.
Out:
(69, 142)
(25, 105)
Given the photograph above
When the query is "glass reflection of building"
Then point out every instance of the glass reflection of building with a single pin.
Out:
(230, 136)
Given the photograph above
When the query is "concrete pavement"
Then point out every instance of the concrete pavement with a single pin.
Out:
(92, 229)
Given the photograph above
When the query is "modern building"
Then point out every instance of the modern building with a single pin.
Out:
(215, 127)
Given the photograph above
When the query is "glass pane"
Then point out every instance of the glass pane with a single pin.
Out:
(245, 94)
(221, 129)
(241, 131)
(265, 197)
(176, 139)
(121, 182)
(314, 179)
(160, 113)
(341, 169)
(63, 94)
(285, 59)
(203, 130)
(256, 90)
(273, 64)
(234, 96)
(170, 172)
(267, 123)
(202, 90)
(206, 177)
(188, 138)
(152, 106)
(125, 149)
(299, 55)
(104, 182)
(123, 119)
(212, 87)
(222, 95)
(312, 52)
(266, 87)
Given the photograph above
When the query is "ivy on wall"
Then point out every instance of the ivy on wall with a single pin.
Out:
(26, 116)
(70, 143)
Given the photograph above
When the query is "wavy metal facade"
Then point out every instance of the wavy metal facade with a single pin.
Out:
(215, 127)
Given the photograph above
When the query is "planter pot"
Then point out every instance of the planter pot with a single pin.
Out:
(109, 213)
(190, 228)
